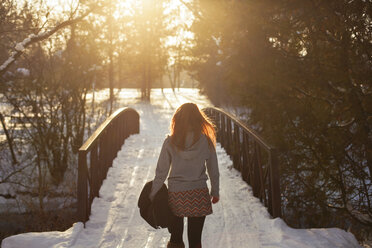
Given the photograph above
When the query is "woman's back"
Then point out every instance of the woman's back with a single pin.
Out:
(188, 166)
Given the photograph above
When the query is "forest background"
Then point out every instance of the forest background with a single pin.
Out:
(301, 70)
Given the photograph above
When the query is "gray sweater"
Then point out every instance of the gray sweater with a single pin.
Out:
(187, 167)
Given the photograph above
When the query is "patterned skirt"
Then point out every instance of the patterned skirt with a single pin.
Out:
(190, 203)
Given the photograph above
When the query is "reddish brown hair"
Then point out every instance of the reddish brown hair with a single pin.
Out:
(188, 118)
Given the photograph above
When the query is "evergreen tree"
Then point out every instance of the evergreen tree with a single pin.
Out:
(303, 70)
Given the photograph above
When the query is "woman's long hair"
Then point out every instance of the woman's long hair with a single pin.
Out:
(188, 118)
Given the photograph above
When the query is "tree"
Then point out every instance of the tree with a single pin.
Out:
(302, 69)
(46, 96)
(150, 31)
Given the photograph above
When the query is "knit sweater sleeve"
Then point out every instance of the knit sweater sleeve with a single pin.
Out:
(162, 169)
(213, 172)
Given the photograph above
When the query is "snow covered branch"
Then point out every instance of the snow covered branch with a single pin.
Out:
(33, 38)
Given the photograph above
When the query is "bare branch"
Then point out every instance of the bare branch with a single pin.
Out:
(7, 177)
(19, 48)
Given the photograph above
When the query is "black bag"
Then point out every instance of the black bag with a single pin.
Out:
(156, 213)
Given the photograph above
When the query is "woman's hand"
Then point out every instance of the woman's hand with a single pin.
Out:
(215, 199)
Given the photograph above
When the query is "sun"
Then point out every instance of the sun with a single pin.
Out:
(180, 16)
(125, 7)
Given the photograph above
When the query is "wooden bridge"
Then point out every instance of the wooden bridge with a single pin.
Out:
(252, 156)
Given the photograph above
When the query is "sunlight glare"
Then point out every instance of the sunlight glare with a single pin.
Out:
(58, 7)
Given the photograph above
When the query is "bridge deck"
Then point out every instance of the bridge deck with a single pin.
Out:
(239, 219)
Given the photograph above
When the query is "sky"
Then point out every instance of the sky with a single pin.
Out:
(183, 18)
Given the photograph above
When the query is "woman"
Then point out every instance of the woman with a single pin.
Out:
(188, 152)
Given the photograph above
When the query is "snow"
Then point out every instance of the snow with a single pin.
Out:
(95, 68)
(59, 53)
(19, 47)
(239, 219)
(25, 72)
(53, 239)
(7, 62)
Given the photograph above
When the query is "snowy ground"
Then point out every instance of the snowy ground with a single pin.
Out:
(239, 219)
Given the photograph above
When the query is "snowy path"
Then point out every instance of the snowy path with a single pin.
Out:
(239, 219)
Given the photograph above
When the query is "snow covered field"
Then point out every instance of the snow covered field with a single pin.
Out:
(239, 219)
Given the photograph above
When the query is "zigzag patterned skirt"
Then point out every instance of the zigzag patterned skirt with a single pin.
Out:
(190, 203)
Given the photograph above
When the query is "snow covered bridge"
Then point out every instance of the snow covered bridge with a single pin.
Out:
(239, 219)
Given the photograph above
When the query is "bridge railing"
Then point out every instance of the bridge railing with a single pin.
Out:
(252, 156)
(98, 152)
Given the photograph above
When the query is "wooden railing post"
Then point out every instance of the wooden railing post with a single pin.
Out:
(236, 148)
(223, 131)
(256, 186)
(229, 137)
(218, 125)
(275, 184)
(101, 161)
(94, 172)
(82, 187)
(245, 165)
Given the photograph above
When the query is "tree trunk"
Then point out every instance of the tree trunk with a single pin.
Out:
(111, 63)
(41, 185)
(149, 83)
(10, 143)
